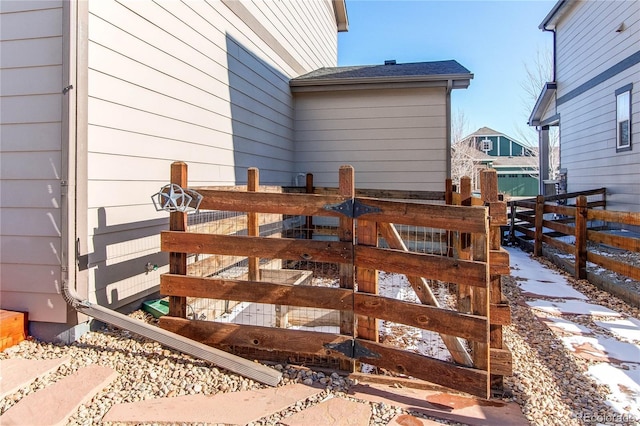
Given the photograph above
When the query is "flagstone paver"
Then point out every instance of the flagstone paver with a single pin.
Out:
(335, 412)
(458, 408)
(226, 408)
(409, 420)
(54, 404)
(17, 373)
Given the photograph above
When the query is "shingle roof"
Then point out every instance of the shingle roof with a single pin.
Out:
(416, 69)
(485, 131)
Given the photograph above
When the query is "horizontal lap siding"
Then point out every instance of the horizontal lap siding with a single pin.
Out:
(30, 158)
(188, 81)
(587, 45)
(395, 139)
(305, 28)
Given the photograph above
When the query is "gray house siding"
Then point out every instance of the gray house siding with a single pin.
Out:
(31, 63)
(593, 61)
(394, 138)
(201, 82)
(204, 82)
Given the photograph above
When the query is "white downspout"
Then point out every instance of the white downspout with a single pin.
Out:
(68, 151)
(448, 128)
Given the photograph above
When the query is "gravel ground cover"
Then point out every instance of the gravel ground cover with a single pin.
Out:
(550, 383)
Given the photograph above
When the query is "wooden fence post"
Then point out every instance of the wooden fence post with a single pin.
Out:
(489, 191)
(581, 238)
(539, 218)
(178, 222)
(480, 304)
(448, 200)
(512, 224)
(462, 246)
(253, 224)
(367, 279)
(346, 231)
(465, 200)
(308, 223)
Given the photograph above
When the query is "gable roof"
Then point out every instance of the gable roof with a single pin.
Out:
(487, 131)
(417, 72)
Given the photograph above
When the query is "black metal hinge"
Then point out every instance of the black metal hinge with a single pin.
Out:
(352, 208)
(352, 349)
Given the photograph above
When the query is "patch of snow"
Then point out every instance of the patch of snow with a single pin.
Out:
(624, 385)
(319, 329)
(603, 348)
(367, 368)
(550, 289)
(566, 325)
(572, 307)
(628, 329)
(536, 279)
(565, 256)
(569, 239)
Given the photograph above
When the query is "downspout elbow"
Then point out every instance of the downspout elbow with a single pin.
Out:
(72, 298)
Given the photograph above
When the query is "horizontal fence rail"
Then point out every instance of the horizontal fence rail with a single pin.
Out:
(576, 228)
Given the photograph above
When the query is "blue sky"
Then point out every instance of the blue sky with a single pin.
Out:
(493, 39)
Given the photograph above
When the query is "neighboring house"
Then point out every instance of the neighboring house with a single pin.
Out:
(595, 97)
(98, 98)
(515, 164)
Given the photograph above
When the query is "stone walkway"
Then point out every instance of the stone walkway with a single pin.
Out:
(55, 403)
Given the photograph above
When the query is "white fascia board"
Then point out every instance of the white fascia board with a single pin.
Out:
(544, 99)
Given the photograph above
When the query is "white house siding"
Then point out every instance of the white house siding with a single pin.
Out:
(588, 45)
(31, 47)
(196, 81)
(394, 138)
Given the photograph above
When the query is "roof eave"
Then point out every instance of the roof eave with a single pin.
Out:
(458, 80)
(340, 10)
(549, 22)
(544, 99)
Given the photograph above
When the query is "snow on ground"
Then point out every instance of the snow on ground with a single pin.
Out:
(538, 281)
(537, 288)
(604, 348)
(625, 395)
(565, 326)
(424, 342)
(627, 329)
(605, 337)
(570, 307)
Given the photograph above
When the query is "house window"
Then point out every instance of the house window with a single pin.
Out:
(487, 145)
(623, 118)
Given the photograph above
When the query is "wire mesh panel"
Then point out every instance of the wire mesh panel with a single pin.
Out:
(424, 342)
(398, 286)
(291, 272)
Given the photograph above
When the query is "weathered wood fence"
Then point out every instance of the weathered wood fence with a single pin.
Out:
(473, 263)
(548, 220)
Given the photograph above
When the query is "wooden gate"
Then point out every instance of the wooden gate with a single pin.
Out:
(368, 242)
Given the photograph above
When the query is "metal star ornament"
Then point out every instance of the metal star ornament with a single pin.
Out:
(173, 198)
